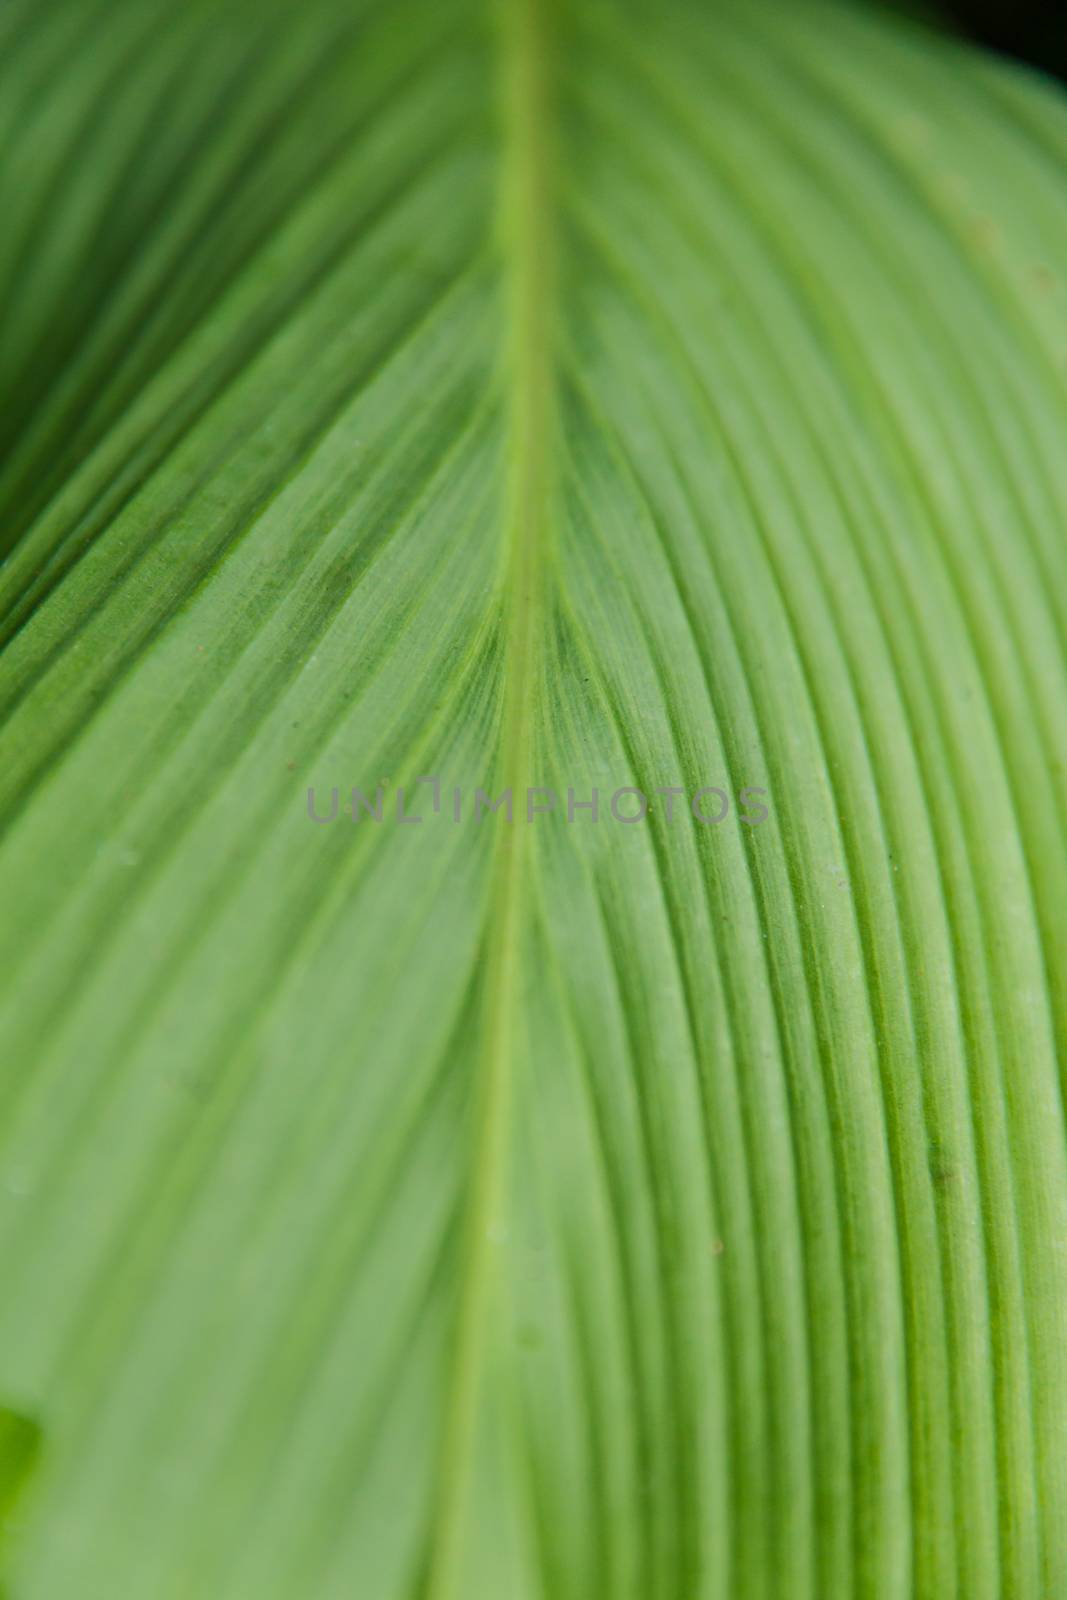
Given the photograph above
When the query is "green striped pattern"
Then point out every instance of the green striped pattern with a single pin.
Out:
(550, 393)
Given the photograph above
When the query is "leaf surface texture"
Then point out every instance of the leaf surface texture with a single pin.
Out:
(562, 395)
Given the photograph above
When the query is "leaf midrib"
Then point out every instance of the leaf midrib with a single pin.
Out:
(527, 242)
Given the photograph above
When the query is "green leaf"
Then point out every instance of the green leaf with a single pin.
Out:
(20, 1441)
(561, 395)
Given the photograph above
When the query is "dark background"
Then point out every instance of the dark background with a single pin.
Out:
(1028, 29)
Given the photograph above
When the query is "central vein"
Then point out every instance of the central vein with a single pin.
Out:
(526, 219)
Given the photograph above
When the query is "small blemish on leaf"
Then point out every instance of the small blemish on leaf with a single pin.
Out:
(942, 1168)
